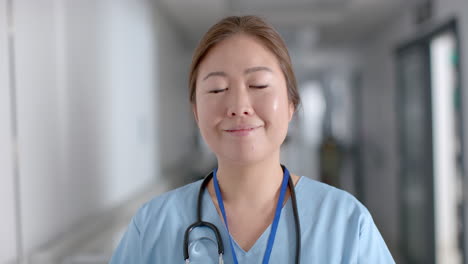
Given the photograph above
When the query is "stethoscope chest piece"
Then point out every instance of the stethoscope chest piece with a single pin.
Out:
(220, 259)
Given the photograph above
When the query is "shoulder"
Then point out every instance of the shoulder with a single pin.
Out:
(330, 202)
(339, 221)
(156, 223)
(167, 204)
(324, 193)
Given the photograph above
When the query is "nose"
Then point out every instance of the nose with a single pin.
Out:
(243, 112)
(239, 103)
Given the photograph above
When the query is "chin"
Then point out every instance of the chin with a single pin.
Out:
(244, 157)
(245, 161)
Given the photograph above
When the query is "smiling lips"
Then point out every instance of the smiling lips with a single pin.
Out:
(242, 130)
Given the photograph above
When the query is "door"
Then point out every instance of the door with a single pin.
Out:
(431, 148)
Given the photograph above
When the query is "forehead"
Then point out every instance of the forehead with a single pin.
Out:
(236, 53)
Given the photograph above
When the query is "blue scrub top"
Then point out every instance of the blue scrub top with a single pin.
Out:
(335, 228)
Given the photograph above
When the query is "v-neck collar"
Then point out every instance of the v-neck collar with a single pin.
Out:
(211, 212)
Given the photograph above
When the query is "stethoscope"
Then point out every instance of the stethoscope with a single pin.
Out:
(219, 241)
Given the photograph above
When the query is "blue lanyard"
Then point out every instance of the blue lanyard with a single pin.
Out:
(274, 226)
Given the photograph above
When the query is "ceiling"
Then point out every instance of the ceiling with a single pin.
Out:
(298, 21)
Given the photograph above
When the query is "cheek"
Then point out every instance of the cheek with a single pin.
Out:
(208, 113)
(273, 107)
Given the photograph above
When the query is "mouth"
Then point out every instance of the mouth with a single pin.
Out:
(241, 131)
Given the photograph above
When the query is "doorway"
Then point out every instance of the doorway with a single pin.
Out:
(431, 152)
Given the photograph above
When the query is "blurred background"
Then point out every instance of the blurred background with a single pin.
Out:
(95, 117)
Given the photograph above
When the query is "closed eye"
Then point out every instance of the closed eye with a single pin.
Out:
(259, 86)
(218, 90)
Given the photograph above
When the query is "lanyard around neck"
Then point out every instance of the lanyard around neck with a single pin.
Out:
(274, 226)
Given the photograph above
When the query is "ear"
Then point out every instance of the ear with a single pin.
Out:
(195, 114)
(291, 111)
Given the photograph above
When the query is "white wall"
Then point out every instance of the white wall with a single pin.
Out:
(7, 225)
(131, 78)
(379, 107)
(87, 95)
(379, 138)
(177, 127)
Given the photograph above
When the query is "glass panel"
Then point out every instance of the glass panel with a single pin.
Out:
(416, 158)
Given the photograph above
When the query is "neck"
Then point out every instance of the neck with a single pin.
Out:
(253, 184)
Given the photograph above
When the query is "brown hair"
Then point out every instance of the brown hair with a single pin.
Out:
(254, 26)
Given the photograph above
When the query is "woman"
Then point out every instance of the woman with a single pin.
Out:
(243, 94)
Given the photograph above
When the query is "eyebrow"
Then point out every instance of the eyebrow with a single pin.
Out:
(217, 73)
(247, 71)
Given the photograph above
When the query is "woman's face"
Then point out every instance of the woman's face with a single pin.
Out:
(242, 106)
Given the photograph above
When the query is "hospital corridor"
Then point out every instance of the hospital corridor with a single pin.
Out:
(95, 116)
